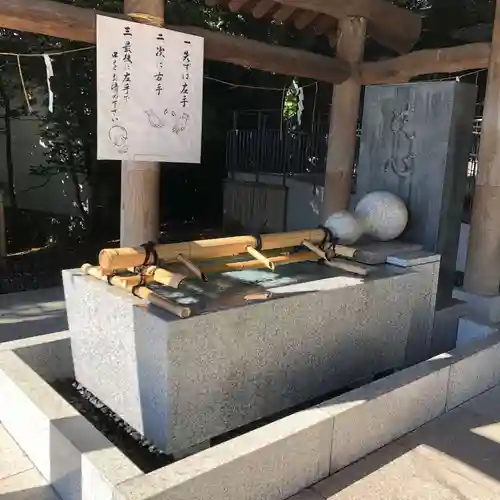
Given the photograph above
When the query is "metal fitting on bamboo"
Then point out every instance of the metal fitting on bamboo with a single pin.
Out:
(141, 291)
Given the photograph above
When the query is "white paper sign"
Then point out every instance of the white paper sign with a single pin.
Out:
(149, 94)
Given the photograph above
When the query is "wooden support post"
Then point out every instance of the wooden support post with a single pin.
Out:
(482, 274)
(3, 232)
(140, 185)
(344, 119)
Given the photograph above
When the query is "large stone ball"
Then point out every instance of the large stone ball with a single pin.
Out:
(383, 215)
(345, 227)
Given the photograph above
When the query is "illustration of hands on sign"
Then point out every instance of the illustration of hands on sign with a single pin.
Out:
(179, 121)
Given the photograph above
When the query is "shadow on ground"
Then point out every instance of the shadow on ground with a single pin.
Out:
(30, 314)
(455, 457)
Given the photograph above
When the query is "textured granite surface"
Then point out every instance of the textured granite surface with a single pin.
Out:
(386, 410)
(181, 382)
(422, 323)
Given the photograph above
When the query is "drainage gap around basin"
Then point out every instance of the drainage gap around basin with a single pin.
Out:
(130, 442)
(141, 451)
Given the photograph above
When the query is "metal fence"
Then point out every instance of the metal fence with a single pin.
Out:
(474, 154)
(255, 147)
(252, 146)
(264, 150)
(274, 151)
(472, 170)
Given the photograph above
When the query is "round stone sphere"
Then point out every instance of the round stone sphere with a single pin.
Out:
(383, 215)
(345, 227)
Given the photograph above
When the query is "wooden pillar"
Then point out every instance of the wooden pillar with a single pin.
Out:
(482, 274)
(3, 232)
(140, 185)
(344, 119)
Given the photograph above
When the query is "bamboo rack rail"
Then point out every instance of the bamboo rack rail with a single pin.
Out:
(135, 287)
(194, 259)
(111, 260)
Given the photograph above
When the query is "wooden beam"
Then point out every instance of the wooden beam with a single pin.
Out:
(273, 58)
(393, 26)
(423, 62)
(284, 13)
(140, 181)
(323, 23)
(262, 8)
(332, 38)
(216, 3)
(482, 275)
(75, 23)
(48, 18)
(237, 5)
(3, 232)
(343, 120)
(304, 19)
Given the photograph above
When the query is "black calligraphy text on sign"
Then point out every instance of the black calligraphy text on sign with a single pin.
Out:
(115, 93)
(186, 63)
(127, 60)
(160, 63)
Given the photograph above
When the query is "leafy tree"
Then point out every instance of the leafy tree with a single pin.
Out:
(12, 98)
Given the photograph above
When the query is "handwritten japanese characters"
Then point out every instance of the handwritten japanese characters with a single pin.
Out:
(150, 92)
(186, 63)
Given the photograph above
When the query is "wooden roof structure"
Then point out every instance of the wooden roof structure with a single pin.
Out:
(393, 27)
(52, 18)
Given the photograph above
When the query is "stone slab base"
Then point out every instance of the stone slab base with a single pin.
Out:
(444, 337)
(183, 382)
(273, 462)
(484, 308)
(470, 329)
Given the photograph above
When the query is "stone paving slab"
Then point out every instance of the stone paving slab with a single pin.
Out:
(455, 457)
(19, 480)
(28, 485)
(12, 459)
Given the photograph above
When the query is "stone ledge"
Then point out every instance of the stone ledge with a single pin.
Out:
(485, 308)
(77, 460)
(374, 415)
(273, 462)
(471, 329)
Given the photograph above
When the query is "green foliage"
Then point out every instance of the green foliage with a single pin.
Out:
(69, 133)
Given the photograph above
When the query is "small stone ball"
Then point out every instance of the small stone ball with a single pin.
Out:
(345, 227)
(383, 215)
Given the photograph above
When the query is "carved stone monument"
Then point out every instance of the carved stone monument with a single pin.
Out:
(415, 143)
